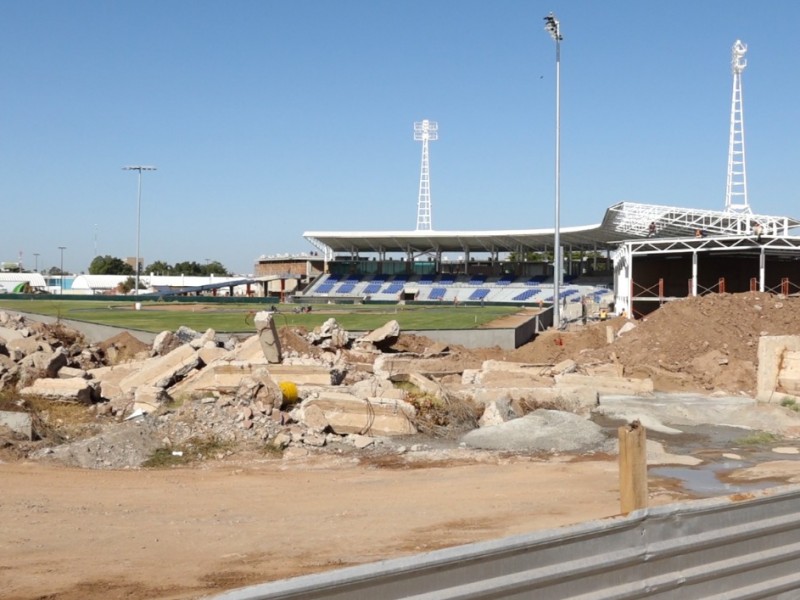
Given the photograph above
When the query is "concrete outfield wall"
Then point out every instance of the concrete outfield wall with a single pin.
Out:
(733, 547)
(472, 338)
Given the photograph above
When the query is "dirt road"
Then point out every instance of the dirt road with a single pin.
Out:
(187, 533)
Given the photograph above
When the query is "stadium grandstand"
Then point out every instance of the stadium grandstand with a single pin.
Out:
(636, 258)
(637, 254)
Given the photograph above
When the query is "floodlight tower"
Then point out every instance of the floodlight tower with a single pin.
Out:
(425, 131)
(736, 195)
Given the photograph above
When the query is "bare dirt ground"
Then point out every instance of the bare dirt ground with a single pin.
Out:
(186, 533)
(192, 531)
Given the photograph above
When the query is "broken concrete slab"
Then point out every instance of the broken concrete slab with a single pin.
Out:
(497, 412)
(388, 365)
(70, 372)
(771, 351)
(540, 431)
(383, 337)
(60, 390)
(18, 422)
(606, 384)
(422, 383)
(163, 371)
(268, 336)
(346, 413)
(575, 399)
(7, 334)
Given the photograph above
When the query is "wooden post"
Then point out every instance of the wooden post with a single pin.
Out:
(632, 467)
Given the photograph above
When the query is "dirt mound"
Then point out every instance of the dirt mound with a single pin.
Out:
(122, 347)
(702, 343)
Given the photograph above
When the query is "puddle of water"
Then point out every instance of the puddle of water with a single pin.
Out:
(704, 481)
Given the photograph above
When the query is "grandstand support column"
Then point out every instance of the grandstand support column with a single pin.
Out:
(762, 271)
(466, 262)
(694, 273)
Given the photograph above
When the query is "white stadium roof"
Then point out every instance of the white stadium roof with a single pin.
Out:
(625, 220)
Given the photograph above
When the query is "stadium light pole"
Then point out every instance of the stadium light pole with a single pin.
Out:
(553, 27)
(138, 168)
(61, 271)
(36, 261)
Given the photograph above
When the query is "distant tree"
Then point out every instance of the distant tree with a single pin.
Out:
(125, 287)
(159, 268)
(215, 268)
(109, 265)
(526, 257)
(189, 268)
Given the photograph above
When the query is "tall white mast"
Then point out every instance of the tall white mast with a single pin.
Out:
(736, 195)
(425, 131)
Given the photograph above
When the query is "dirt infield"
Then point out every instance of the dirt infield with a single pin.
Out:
(186, 533)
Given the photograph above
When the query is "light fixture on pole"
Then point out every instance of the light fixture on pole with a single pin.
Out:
(139, 168)
(553, 27)
(61, 271)
(36, 262)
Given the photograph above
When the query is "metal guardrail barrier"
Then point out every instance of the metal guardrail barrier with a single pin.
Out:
(743, 546)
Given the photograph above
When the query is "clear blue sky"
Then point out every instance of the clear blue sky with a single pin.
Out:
(268, 118)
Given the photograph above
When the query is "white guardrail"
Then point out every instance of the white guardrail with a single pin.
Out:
(742, 546)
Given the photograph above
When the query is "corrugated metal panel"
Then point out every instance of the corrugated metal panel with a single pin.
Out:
(739, 547)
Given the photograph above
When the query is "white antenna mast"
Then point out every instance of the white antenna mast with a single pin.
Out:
(425, 131)
(736, 195)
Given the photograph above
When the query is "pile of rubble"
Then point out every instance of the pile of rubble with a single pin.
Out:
(298, 390)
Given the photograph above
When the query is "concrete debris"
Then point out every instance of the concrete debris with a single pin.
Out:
(330, 335)
(268, 336)
(190, 388)
(383, 337)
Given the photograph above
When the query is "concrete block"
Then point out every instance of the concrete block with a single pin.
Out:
(162, 370)
(771, 350)
(18, 422)
(345, 413)
(60, 390)
(268, 336)
(607, 384)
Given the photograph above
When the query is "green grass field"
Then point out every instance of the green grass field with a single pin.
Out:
(159, 316)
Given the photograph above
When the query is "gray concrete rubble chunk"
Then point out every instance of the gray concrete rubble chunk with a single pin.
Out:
(608, 385)
(247, 390)
(269, 394)
(163, 371)
(208, 336)
(60, 390)
(313, 417)
(384, 336)
(46, 362)
(374, 387)
(789, 377)
(18, 422)
(248, 350)
(301, 374)
(565, 366)
(268, 336)
(164, 343)
(70, 372)
(388, 365)
(347, 414)
(497, 412)
(221, 376)
(422, 383)
(629, 326)
(362, 441)
(771, 352)
(28, 345)
(186, 334)
(149, 398)
(7, 334)
(540, 431)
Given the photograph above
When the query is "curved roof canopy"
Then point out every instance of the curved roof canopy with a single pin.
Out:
(625, 220)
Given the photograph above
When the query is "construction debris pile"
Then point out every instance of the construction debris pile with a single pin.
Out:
(291, 390)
